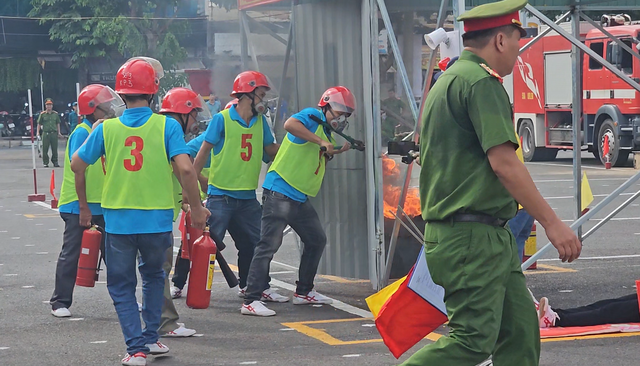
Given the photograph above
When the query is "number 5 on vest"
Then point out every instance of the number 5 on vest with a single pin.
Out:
(246, 155)
(135, 164)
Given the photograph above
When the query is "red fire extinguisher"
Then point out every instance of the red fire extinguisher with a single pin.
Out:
(89, 257)
(189, 235)
(203, 259)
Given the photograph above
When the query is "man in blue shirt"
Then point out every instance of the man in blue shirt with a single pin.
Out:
(214, 104)
(297, 172)
(97, 102)
(138, 201)
(73, 117)
(236, 135)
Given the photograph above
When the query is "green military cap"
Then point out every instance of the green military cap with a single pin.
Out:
(48, 101)
(494, 15)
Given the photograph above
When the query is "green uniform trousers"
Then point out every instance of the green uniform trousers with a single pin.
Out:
(50, 139)
(490, 310)
(169, 319)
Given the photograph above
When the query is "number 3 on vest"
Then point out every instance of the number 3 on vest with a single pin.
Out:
(135, 164)
(246, 155)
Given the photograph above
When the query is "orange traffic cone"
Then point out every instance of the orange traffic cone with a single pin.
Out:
(52, 187)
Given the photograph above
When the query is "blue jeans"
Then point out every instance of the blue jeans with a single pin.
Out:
(278, 212)
(520, 226)
(242, 219)
(121, 254)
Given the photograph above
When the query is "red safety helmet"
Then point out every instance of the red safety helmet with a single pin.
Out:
(339, 98)
(248, 81)
(233, 102)
(137, 77)
(183, 101)
(96, 94)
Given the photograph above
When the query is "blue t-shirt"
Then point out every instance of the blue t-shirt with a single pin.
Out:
(194, 146)
(273, 181)
(128, 221)
(75, 141)
(215, 136)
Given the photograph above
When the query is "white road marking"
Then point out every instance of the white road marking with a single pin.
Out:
(317, 305)
(595, 195)
(11, 274)
(565, 291)
(98, 342)
(29, 245)
(198, 335)
(286, 329)
(18, 214)
(15, 238)
(571, 180)
(75, 319)
(3, 231)
(284, 265)
(336, 303)
(3, 348)
(371, 325)
(595, 258)
(248, 363)
(28, 286)
(41, 253)
(349, 356)
(53, 229)
(281, 272)
(45, 205)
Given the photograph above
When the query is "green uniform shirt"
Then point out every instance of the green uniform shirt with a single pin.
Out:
(49, 121)
(466, 113)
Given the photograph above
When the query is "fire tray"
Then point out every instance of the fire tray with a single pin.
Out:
(407, 248)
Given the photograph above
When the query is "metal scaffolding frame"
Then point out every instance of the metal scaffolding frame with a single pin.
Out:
(373, 8)
(576, 11)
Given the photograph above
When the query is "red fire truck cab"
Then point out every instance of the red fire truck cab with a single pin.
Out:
(543, 89)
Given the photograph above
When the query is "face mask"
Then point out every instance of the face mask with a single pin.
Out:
(260, 108)
(339, 123)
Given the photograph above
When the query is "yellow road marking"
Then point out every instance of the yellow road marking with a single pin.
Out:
(323, 336)
(342, 279)
(39, 216)
(546, 268)
(593, 336)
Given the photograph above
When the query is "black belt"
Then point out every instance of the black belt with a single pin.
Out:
(479, 218)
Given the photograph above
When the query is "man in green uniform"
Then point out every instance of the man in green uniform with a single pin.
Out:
(470, 181)
(49, 129)
(393, 107)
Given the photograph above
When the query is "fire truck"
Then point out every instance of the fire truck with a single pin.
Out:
(541, 90)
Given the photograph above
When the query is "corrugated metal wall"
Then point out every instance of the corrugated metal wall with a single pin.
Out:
(328, 52)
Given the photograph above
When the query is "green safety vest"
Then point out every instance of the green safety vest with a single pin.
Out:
(94, 176)
(237, 166)
(138, 172)
(302, 165)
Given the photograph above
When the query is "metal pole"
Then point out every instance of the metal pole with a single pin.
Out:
(398, 57)
(247, 32)
(584, 218)
(41, 92)
(576, 71)
(285, 68)
(33, 147)
(544, 33)
(611, 215)
(584, 48)
(458, 7)
(606, 33)
(244, 50)
(405, 187)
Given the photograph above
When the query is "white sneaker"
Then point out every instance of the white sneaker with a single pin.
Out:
(311, 298)
(546, 316)
(176, 293)
(256, 308)
(157, 348)
(61, 313)
(272, 295)
(241, 291)
(139, 359)
(181, 332)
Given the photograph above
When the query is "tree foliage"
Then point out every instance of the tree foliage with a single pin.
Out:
(116, 28)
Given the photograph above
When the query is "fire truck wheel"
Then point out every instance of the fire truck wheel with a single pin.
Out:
(617, 157)
(529, 150)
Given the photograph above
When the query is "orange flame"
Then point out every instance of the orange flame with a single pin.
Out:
(391, 193)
